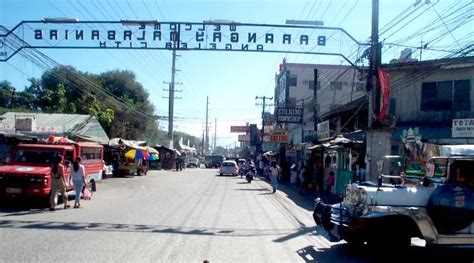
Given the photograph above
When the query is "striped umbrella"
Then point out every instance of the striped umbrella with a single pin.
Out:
(137, 154)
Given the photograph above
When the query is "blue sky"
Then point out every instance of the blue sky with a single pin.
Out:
(231, 80)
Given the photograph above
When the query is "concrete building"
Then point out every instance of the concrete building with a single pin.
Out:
(340, 93)
(431, 103)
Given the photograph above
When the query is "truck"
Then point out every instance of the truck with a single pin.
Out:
(213, 161)
(437, 207)
(27, 174)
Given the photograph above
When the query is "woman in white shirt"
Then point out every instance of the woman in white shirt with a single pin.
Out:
(275, 173)
(78, 175)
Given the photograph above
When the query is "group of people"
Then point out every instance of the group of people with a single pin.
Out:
(311, 176)
(58, 183)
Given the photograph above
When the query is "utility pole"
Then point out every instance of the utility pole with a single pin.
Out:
(207, 125)
(215, 133)
(315, 100)
(171, 97)
(12, 98)
(373, 88)
(263, 115)
(175, 37)
(375, 138)
(202, 143)
(302, 122)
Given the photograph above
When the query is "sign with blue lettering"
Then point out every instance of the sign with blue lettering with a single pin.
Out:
(208, 35)
(289, 115)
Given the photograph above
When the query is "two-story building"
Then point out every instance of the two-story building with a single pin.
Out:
(340, 98)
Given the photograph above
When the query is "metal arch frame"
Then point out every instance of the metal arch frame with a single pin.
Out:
(144, 23)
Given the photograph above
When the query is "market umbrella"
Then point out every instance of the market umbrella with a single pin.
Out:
(137, 154)
(151, 150)
(153, 157)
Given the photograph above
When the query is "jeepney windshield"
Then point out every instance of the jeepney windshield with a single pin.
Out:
(36, 155)
(440, 166)
(392, 166)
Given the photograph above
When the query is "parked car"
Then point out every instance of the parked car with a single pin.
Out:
(194, 162)
(229, 167)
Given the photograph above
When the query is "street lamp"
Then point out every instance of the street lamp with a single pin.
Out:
(59, 20)
(139, 22)
(220, 21)
(304, 22)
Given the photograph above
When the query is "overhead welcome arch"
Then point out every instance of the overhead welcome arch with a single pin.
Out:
(180, 36)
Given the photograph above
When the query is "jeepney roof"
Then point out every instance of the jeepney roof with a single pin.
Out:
(450, 150)
(48, 146)
(94, 144)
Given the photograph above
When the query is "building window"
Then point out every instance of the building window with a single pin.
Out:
(360, 86)
(311, 84)
(462, 95)
(292, 81)
(337, 85)
(439, 96)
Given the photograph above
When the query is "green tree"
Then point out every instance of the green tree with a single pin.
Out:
(7, 93)
(133, 110)
(104, 116)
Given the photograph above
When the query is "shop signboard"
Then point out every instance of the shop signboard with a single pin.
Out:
(289, 115)
(323, 130)
(244, 138)
(463, 128)
(239, 129)
(281, 138)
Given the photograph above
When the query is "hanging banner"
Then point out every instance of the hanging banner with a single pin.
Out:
(384, 78)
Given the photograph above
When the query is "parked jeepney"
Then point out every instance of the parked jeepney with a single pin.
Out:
(438, 208)
(28, 172)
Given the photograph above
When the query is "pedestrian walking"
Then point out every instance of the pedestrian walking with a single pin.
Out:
(318, 176)
(261, 166)
(178, 163)
(275, 173)
(78, 174)
(303, 181)
(58, 183)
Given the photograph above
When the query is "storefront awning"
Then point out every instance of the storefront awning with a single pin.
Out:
(186, 148)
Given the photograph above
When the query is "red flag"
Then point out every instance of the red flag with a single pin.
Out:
(384, 78)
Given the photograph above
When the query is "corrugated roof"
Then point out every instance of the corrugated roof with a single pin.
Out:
(79, 124)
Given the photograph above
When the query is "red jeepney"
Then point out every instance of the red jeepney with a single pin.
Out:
(28, 172)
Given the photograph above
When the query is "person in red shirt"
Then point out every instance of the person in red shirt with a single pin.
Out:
(330, 181)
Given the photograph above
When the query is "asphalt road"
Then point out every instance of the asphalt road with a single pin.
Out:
(188, 216)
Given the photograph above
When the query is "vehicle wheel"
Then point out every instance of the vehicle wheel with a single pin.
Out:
(355, 244)
(221, 174)
(390, 242)
(45, 201)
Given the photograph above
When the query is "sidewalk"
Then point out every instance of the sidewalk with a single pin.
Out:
(306, 200)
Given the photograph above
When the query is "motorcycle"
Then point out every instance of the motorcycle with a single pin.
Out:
(249, 175)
